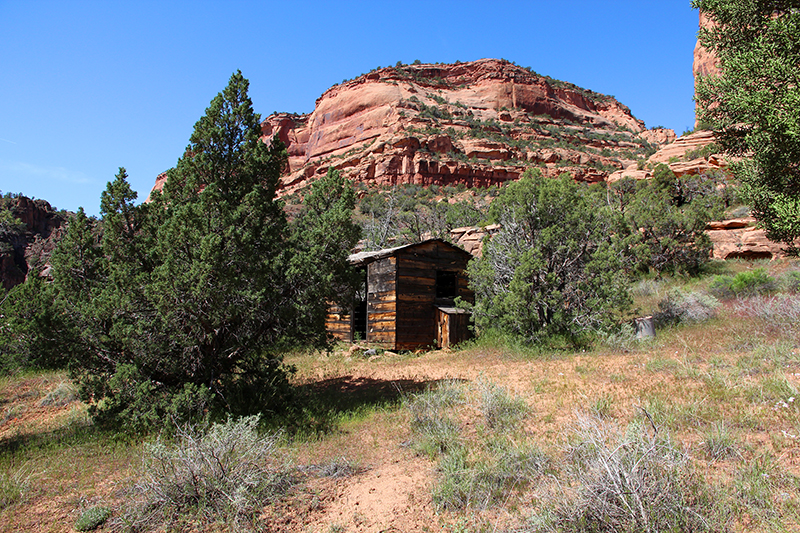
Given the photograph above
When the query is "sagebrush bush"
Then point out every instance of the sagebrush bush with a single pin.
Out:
(63, 394)
(218, 475)
(622, 339)
(92, 518)
(432, 424)
(499, 409)
(631, 481)
(775, 311)
(686, 308)
(790, 281)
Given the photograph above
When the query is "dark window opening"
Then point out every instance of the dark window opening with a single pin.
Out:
(446, 284)
(360, 309)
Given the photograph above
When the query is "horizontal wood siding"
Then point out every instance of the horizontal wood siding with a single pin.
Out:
(416, 290)
(382, 301)
(339, 324)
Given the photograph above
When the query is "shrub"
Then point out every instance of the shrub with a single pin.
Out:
(215, 475)
(778, 311)
(497, 407)
(629, 481)
(748, 283)
(551, 269)
(686, 308)
(434, 428)
(63, 394)
(92, 518)
(790, 281)
(622, 339)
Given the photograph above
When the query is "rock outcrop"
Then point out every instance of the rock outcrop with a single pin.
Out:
(478, 124)
(705, 62)
(27, 247)
(689, 155)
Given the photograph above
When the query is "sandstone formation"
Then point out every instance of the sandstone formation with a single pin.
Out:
(705, 62)
(28, 247)
(685, 156)
(478, 124)
(741, 239)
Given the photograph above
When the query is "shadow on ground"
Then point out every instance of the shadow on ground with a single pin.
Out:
(322, 405)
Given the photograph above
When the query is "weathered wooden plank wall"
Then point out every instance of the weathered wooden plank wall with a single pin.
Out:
(382, 301)
(416, 289)
(339, 323)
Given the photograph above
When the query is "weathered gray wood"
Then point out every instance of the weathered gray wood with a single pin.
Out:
(645, 327)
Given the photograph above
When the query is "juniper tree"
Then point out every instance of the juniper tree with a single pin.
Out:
(182, 306)
(754, 104)
(552, 268)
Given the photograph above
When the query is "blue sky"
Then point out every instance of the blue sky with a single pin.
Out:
(90, 86)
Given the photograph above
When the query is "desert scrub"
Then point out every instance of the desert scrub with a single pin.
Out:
(744, 284)
(488, 467)
(218, 475)
(92, 518)
(779, 311)
(432, 418)
(498, 407)
(686, 308)
(630, 480)
(64, 393)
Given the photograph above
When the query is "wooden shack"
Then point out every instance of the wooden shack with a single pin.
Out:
(406, 300)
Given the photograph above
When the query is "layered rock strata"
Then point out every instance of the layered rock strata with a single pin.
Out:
(478, 124)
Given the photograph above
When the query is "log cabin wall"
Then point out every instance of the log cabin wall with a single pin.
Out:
(417, 268)
(382, 302)
(339, 323)
(401, 296)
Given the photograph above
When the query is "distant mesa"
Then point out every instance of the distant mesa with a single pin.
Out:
(480, 123)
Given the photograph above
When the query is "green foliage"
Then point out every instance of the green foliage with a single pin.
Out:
(92, 518)
(753, 105)
(33, 334)
(670, 214)
(552, 269)
(743, 284)
(179, 308)
(322, 236)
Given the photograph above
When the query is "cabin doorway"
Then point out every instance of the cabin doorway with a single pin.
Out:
(360, 310)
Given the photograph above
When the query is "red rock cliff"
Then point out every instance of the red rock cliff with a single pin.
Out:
(478, 123)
